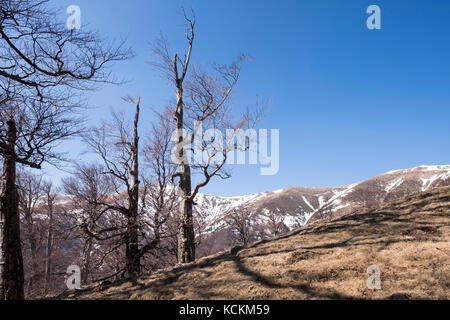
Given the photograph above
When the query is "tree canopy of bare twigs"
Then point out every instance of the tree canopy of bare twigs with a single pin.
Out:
(43, 67)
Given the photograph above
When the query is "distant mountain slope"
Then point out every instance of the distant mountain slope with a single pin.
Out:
(408, 239)
(389, 186)
(299, 205)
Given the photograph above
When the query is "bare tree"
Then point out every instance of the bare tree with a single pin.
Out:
(161, 194)
(118, 147)
(88, 189)
(161, 197)
(274, 224)
(42, 65)
(47, 235)
(240, 222)
(31, 191)
(202, 97)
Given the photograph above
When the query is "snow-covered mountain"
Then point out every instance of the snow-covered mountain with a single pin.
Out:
(298, 205)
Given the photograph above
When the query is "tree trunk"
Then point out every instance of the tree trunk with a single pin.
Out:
(49, 248)
(86, 261)
(186, 236)
(33, 253)
(133, 266)
(11, 262)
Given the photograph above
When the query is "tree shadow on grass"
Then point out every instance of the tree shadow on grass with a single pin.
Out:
(305, 289)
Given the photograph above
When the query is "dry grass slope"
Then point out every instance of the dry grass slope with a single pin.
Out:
(408, 239)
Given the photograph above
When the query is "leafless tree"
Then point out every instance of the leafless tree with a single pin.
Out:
(161, 197)
(203, 96)
(274, 224)
(42, 67)
(31, 193)
(240, 221)
(161, 194)
(88, 189)
(47, 235)
(118, 147)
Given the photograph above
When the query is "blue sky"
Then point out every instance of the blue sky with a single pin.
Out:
(350, 102)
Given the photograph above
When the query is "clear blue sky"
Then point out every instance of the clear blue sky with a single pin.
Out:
(350, 102)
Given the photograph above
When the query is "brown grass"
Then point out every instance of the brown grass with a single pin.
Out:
(408, 239)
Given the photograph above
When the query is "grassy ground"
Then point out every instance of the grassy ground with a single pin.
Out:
(408, 239)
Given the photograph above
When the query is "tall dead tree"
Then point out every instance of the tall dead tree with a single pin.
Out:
(132, 252)
(42, 65)
(202, 97)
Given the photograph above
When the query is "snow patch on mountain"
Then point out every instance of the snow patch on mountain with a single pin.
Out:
(394, 185)
(307, 203)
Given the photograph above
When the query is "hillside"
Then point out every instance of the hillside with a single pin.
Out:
(409, 239)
